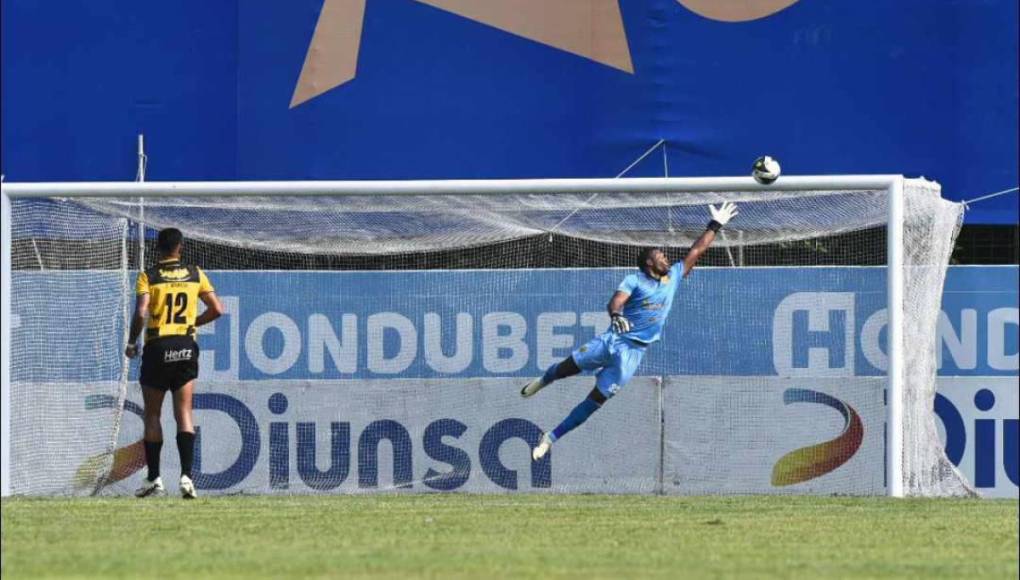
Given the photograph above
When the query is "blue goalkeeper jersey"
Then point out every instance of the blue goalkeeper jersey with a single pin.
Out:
(649, 303)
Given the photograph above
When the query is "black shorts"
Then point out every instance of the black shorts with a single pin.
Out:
(169, 363)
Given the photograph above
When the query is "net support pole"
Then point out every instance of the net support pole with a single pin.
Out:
(5, 345)
(894, 390)
(142, 162)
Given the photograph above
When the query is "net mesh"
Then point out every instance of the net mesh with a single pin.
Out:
(379, 343)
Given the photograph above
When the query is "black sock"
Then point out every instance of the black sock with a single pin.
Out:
(561, 370)
(186, 447)
(152, 450)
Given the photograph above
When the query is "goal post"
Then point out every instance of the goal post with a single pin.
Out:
(5, 344)
(533, 205)
(894, 299)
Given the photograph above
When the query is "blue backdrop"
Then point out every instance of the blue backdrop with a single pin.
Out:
(919, 87)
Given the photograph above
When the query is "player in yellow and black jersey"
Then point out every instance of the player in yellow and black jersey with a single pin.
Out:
(168, 295)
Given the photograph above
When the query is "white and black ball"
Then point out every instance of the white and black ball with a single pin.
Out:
(765, 170)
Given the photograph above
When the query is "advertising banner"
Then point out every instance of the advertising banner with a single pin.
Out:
(981, 431)
(471, 435)
(774, 435)
(755, 364)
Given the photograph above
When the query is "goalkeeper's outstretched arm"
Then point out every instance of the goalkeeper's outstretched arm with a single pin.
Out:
(720, 217)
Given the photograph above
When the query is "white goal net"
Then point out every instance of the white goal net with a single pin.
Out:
(378, 341)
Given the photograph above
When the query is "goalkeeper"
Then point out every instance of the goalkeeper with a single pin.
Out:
(638, 311)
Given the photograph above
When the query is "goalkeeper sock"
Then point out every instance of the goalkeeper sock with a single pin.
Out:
(579, 415)
(560, 370)
(186, 447)
(550, 374)
(152, 451)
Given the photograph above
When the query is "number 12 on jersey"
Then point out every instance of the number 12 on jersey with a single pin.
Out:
(176, 306)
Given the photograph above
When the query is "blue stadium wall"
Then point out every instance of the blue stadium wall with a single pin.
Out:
(470, 89)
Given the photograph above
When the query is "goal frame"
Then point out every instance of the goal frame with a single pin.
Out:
(891, 184)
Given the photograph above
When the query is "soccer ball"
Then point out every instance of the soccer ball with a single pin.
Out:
(765, 170)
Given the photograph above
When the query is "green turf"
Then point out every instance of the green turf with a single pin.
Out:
(470, 536)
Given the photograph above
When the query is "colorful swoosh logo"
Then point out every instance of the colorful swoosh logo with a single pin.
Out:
(92, 473)
(810, 462)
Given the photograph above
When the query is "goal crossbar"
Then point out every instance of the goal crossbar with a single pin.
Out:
(440, 187)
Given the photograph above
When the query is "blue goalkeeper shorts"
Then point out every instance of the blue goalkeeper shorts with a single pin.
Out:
(616, 359)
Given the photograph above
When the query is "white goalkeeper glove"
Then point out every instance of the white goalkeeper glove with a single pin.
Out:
(620, 324)
(721, 215)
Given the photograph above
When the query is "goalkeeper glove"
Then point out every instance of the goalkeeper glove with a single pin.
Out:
(620, 324)
(722, 215)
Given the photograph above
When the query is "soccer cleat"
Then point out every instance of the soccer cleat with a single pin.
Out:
(543, 447)
(151, 488)
(532, 387)
(187, 488)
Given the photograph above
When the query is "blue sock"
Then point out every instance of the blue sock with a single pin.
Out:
(579, 415)
(550, 374)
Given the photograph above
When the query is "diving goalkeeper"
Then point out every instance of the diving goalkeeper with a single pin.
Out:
(638, 312)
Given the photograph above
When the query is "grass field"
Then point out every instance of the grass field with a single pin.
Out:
(471, 536)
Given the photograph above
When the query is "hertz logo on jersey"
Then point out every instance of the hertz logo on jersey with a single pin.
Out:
(172, 356)
(174, 290)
